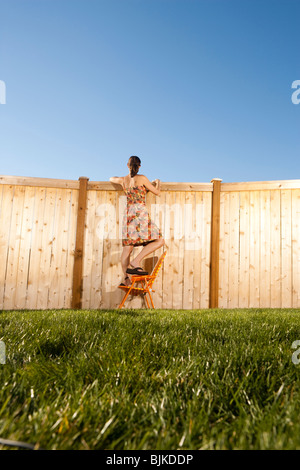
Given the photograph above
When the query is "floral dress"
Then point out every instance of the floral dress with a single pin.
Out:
(138, 228)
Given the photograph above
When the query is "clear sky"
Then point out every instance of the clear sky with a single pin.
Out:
(196, 88)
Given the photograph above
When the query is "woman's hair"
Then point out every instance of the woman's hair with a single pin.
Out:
(134, 164)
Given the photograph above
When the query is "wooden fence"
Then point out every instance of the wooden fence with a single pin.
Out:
(229, 245)
(259, 264)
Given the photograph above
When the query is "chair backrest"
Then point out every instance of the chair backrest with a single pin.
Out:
(156, 268)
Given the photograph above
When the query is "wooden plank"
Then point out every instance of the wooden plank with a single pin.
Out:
(168, 186)
(261, 185)
(5, 227)
(165, 186)
(40, 182)
(14, 248)
(275, 247)
(56, 289)
(57, 255)
(296, 248)
(115, 270)
(71, 245)
(254, 269)
(56, 252)
(205, 249)
(286, 249)
(25, 248)
(265, 257)
(46, 254)
(189, 243)
(198, 223)
(64, 275)
(222, 259)
(108, 282)
(171, 261)
(224, 250)
(106, 273)
(1, 253)
(36, 248)
(234, 251)
(1, 199)
(79, 246)
(98, 252)
(178, 269)
(215, 244)
(88, 287)
(244, 250)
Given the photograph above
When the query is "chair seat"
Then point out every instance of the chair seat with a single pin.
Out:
(135, 290)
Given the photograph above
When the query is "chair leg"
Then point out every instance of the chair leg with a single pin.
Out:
(147, 301)
(148, 290)
(127, 294)
(145, 294)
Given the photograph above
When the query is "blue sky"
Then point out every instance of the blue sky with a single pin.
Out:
(196, 88)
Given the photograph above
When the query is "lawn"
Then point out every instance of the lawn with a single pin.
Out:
(138, 379)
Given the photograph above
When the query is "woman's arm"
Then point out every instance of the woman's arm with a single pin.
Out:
(155, 189)
(117, 180)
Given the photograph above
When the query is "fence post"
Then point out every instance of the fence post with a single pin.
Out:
(79, 244)
(214, 248)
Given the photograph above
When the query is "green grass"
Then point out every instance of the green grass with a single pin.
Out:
(201, 379)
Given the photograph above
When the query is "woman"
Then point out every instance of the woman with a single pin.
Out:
(138, 228)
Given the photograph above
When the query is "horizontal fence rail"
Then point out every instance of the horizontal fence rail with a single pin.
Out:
(229, 245)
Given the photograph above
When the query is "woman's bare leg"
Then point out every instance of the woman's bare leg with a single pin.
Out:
(146, 251)
(125, 260)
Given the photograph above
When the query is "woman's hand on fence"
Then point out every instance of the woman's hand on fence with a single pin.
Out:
(156, 183)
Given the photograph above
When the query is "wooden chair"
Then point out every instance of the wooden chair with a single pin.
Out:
(146, 284)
